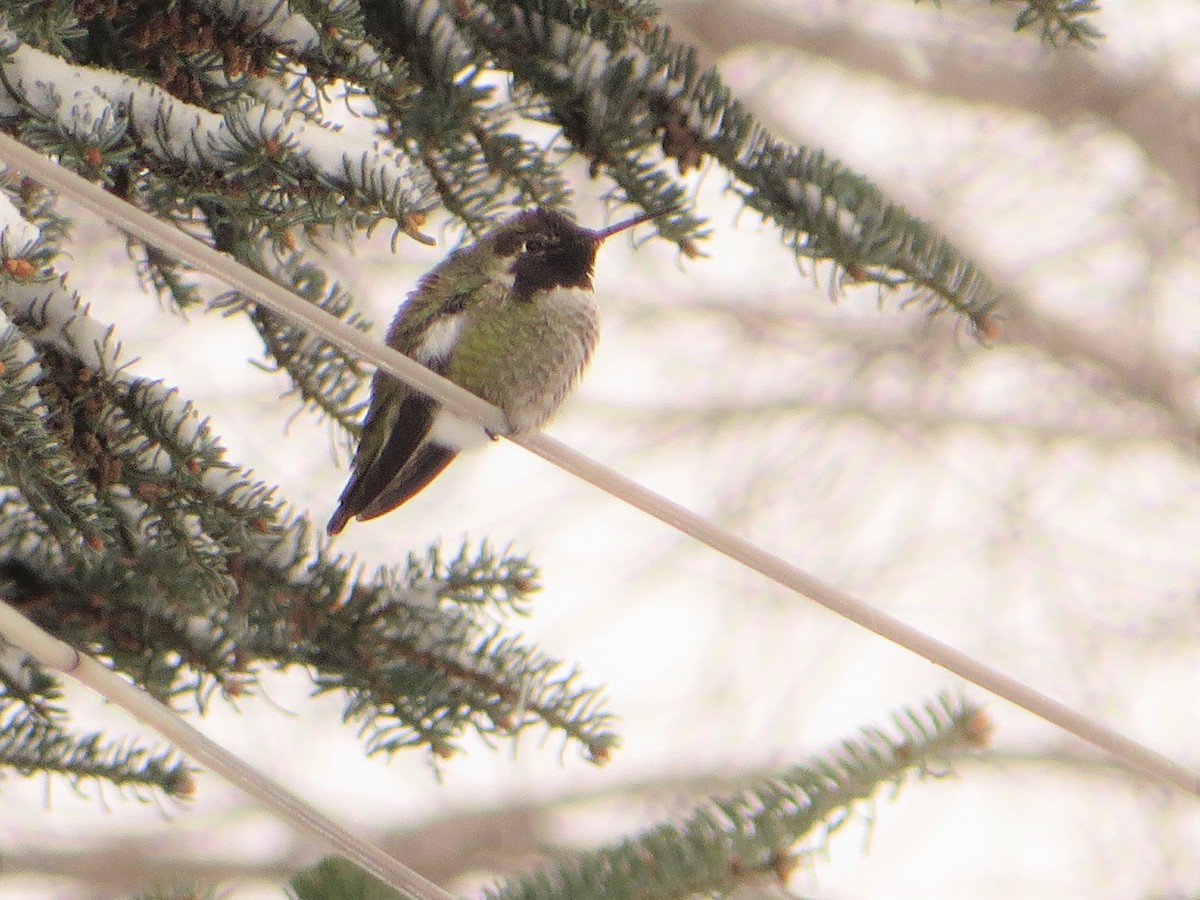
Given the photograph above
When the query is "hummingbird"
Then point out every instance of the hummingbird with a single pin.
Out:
(513, 319)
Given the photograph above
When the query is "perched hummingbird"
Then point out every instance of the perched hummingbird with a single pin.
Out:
(512, 319)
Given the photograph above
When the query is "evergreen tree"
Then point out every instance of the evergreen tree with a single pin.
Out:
(124, 528)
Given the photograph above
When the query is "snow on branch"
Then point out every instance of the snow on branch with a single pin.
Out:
(95, 106)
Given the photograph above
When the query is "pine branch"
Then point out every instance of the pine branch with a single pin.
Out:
(458, 127)
(413, 655)
(750, 838)
(249, 145)
(55, 486)
(618, 92)
(261, 170)
(325, 377)
(619, 89)
(52, 653)
(29, 742)
(1060, 22)
(32, 734)
(410, 649)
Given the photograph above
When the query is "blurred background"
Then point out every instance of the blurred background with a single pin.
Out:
(1033, 501)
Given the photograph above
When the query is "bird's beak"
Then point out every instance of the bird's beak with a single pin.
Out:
(604, 234)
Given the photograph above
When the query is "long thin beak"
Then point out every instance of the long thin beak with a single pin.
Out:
(604, 234)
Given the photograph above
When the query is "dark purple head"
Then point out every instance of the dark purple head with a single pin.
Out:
(548, 250)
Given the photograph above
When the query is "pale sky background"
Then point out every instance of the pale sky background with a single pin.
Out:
(1034, 503)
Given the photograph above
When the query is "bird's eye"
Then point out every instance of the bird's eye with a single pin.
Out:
(536, 244)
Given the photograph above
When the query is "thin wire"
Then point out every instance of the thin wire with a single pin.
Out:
(778, 570)
(146, 228)
(53, 653)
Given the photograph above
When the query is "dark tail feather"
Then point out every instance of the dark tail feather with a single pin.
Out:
(349, 503)
(425, 465)
(338, 521)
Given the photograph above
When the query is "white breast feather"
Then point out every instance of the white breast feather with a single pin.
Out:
(440, 338)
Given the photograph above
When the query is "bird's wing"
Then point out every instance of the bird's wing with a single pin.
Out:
(398, 421)
(395, 459)
(421, 468)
